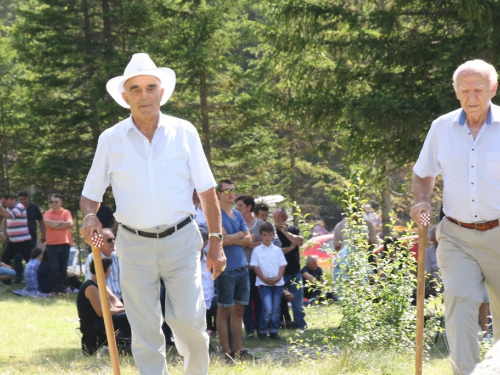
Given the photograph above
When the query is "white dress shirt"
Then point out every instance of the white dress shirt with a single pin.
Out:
(470, 168)
(269, 259)
(152, 182)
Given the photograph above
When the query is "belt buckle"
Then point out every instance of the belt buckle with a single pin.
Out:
(158, 235)
(479, 223)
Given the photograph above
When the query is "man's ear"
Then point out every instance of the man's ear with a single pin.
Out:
(124, 96)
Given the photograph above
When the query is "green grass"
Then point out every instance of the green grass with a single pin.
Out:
(39, 337)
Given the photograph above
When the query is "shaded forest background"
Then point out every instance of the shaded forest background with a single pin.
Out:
(290, 97)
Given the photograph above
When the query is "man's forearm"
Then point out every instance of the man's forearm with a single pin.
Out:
(5, 213)
(43, 229)
(211, 210)
(422, 188)
(88, 206)
(295, 239)
(245, 240)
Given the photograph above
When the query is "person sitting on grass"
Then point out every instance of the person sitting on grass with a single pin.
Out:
(269, 263)
(31, 269)
(6, 273)
(313, 281)
(43, 275)
(90, 310)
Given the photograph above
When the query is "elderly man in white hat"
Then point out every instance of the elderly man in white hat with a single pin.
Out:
(153, 162)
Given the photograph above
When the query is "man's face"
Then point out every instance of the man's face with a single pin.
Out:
(109, 243)
(143, 94)
(8, 203)
(474, 92)
(55, 203)
(25, 201)
(242, 207)
(279, 218)
(312, 264)
(263, 215)
(226, 193)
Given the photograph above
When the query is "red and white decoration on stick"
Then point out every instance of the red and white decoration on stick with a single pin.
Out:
(425, 218)
(97, 240)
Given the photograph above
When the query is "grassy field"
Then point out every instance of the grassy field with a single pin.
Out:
(39, 336)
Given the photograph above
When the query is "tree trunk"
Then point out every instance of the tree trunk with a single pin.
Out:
(205, 124)
(94, 125)
(293, 172)
(386, 207)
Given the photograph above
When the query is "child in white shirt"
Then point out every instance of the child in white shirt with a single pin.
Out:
(269, 264)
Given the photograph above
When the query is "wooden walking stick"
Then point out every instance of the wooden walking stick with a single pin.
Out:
(425, 219)
(97, 242)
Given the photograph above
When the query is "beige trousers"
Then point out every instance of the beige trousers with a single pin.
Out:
(176, 259)
(467, 259)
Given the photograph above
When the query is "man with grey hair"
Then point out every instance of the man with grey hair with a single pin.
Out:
(153, 162)
(464, 146)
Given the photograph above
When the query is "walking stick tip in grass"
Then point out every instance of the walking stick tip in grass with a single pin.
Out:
(425, 219)
(97, 242)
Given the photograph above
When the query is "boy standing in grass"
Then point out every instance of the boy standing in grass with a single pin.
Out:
(269, 264)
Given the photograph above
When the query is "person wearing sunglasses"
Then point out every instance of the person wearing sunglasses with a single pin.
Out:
(58, 222)
(233, 285)
(108, 251)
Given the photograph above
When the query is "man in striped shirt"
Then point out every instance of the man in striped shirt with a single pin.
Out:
(19, 238)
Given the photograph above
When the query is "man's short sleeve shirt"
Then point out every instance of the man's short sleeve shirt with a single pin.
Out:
(17, 226)
(152, 182)
(292, 257)
(58, 236)
(34, 215)
(234, 253)
(317, 273)
(269, 260)
(470, 167)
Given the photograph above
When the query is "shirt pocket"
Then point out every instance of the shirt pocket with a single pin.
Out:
(493, 166)
(175, 175)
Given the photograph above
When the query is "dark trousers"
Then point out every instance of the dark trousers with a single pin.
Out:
(58, 263)
(120, 323)
(212, 315)
(18, 260)
(13, 248)
(251, 316)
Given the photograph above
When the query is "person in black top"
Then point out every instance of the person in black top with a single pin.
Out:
(105, 216)
(43, 274)
(89, 306)
(291, 239)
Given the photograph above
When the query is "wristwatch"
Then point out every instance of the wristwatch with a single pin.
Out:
(218, 235)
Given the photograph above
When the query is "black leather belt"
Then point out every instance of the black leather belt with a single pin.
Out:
(482, 226)
(236, 270)
(165, 233)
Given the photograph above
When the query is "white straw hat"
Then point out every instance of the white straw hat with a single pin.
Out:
(141, 65)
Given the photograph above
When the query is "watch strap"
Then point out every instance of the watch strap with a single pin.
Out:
(217, 235)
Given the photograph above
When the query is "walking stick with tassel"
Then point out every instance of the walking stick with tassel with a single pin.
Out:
(425, 219)
(97, 242)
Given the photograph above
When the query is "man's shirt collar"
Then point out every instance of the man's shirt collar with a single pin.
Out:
(493, 116)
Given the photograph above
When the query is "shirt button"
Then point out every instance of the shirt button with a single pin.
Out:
(473, 200)
(475, 215)
(472, 166)
(472, 183)
(472, 149)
